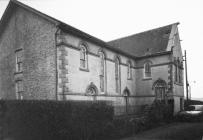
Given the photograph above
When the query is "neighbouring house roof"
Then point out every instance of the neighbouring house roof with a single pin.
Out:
(152, 42)
(145, 43)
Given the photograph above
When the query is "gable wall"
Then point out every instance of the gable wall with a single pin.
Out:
(177, 53)
(175, 46)
(7, 59)
(38, 42)
(35, 36)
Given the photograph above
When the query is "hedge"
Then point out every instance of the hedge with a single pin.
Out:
(54, 120)
(75, 120)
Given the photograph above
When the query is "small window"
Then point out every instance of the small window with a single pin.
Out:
(19, 89)
(92, 89)
(19, 56)
(129, 71)
(83, 57)
(147, 70)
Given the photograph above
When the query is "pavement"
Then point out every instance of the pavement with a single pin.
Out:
(174, 131)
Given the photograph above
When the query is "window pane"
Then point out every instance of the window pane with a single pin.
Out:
(82, 63)
(19, 61)
(19, 86)
(19, 56)
(129, 71)
(102, 83)
(82, 54)
(101, 66)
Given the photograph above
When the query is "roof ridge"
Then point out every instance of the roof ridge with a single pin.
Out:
(176, 23)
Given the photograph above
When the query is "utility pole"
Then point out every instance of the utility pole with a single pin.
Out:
(186, 77)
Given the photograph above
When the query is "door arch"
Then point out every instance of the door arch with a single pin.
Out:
(126, 94)
(160, 88)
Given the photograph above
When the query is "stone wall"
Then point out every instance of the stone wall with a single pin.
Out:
(36, 36)
(7, 59)
(78, 80)
(160, 68)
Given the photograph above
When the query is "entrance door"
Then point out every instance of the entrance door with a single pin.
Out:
(160, 93)
(160, 87)
(126, 94)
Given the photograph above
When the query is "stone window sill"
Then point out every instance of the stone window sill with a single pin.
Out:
(180, 84)
(19, 72)
(130, 78)
(84, 69)
(147, 78)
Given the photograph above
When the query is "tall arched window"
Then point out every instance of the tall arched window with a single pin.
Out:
(117, 74)
(83, 56)
(129, 71)
(147, 70)
(102, 71)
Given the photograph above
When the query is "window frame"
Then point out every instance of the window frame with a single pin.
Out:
(129, 70)
(19, 89)
(84, 59)
(102, 71)
(19, 60)
(147, 72)
(117, 75)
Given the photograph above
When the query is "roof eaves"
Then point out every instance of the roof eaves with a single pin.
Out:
(154, 54)
(76, 32)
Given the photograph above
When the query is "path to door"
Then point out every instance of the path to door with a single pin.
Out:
(175, 131)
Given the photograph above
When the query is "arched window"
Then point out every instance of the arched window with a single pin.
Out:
(129, 71)
(102, 71)
(147, 70)
(83, 56)
(126, 92)
(117, 74)
(91, 89)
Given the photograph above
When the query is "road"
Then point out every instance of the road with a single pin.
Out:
(175, 131)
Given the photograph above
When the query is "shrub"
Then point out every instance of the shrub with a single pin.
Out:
(160, 112)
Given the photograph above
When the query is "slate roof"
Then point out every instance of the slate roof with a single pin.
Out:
(144, 43)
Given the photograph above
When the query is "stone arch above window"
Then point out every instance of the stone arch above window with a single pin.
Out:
(92, 89)
(126, 92)
(101, 50)
(83, 44)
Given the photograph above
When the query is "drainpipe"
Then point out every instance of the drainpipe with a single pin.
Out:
(56, 58)
(171, 73)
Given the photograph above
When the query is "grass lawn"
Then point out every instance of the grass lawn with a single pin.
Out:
(175, 131)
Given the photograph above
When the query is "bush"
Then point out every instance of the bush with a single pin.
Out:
(41, 120)
(160, 112)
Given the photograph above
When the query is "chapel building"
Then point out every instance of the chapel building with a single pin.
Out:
(43, 58)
